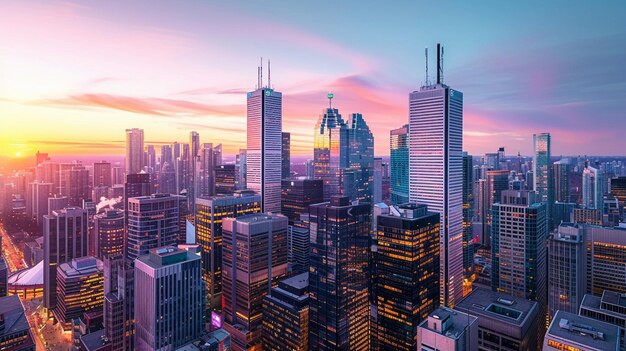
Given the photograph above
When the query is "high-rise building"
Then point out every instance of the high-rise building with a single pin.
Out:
(65, 237)
(298, 194)
(48, 172)
(210, 213)
(330, 152)
(286, 315)
(137, 185)
(286, 155)
(399, 165)
(225, 179)
(169, 299)
(167, 179)
(41, 157)
(518, 246)
(134, 151)
(15, 332)
(377, 185)
(505, 322)
(241, 164)
(406, 281)
(109, 233)
(339, 275)
(153, 222)
(102, 174)
(78, 185)
(299, 245)
(37, 200)
(80, 289)
(606, 259)
(468, 213)
(561, 171)
(542, 182)
(254, 260)
(447, 330)
(264, 144)
(618, 189)
(360, 159)
(593, 188)
(436, 172)
(609, 307)
(569, 331)
(4, 273)
(567, 269)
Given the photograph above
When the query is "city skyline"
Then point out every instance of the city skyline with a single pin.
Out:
(168, 78)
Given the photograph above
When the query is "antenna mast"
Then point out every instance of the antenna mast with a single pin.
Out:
(438, 63)
(427, 83)
(261, 69)
(269, 76)
(442, 64)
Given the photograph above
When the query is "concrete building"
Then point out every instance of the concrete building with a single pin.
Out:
(609, 308)
(15, 332)
(80, 289)
(447, 330)
(569, 331)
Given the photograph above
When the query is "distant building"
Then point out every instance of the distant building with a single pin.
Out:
(406, 261)
(254, 259)
(79, 289)
(286, 155)
(109, 233)
(587, 216)
(468, 213)
(286, 315)
(505, 322)
(102, 174)
(618, 189)
(447, 330)
(399, 165)
(14, 328)
(169, 299)
(542, 182)
(225, 179)
(134, 151)
(339, 275)
(569, 331)
(606, 259)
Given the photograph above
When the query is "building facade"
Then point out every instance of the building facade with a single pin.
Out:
(399, 165)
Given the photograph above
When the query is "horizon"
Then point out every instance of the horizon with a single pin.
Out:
(168, 73)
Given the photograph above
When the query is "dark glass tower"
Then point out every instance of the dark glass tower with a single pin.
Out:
(468, 213)
(339, 275)
(399, 160)
(286, 152)
(406, 283)
(298, 194)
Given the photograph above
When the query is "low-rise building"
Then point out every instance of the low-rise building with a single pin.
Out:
(569, 331)
(448, 330)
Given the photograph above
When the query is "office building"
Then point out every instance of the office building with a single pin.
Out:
(606, 259)
(561, 173)
(4, 274)
(360, 160)
(587, 216)
(102, 174)
(339, 275)
(505, 322)
(593, 188)
(299, 246)
(518, 246)
(137, 185)
(210, 213)
(468, 213)
(225, 179)
(254, 259)
(80, 289)
(134, 151)
(567, 268)
(286, 315)
(241, 165)
(542, 182)
(109, 233)
(15, 332)
(406, 281)
(447, 330)
(436, 172)
(618, 189)
(153, 222)
(37, 200)
(399, 165)
(609, 308)
(78, 185)
(65, 238)
(286, 156)
(264, 144)
(377, 185)
(167, 179)
(569, 331)
(168, 318)
(298, 194)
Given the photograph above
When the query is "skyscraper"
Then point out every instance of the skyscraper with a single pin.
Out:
(286, 155)
(254, 260)
(225, 179)
(399, 164)
(134, 151)
(109, 233)
(339, 275)
(468, 213)
(518, 246)
(330, 152)
(542, 182)
(37, 201)
(65, 237)
(436, 172)
(360, 159)
(78, 185)
(210, 213)
(168, 318)
(593, 188)
(153, 222)
(618, 189)
(264, 144)
(102, 174)
(286, 315)
(406, 282)
(298, 194)
(560, 171)
(137, 185)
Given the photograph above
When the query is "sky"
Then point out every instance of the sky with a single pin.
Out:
(75, 75)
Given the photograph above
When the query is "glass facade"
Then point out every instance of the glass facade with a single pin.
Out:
(339, 275)
(468, 213)
(330, 151)
(298, 194)
(399, 164)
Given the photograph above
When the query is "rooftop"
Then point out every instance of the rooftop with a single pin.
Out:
(496, 305)
(28, 277)
(14, 319)
(582, 331)
(448, 322)
(300, 281)
(94, 341)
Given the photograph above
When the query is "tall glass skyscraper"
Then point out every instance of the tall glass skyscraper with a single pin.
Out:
(542, 182)
(330, 151)
(264, 146)
(468, 212)
(339, 275)
(134, 151)
(436, 173)
(399, 162)
(361, 158)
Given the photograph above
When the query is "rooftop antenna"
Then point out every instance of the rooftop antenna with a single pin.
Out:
(442, 64)
(269, 77)
(330, 97)
(426, 54)
(258, 77)
(438, 63)
(261, 69)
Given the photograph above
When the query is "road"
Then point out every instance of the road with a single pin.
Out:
(12, 254)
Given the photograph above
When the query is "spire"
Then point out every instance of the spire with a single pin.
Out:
(427, 82)
(269, 77)
(330, 97)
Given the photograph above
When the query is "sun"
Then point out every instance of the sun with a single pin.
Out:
(18, 154)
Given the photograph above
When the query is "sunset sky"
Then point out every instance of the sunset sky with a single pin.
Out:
(74, 75)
